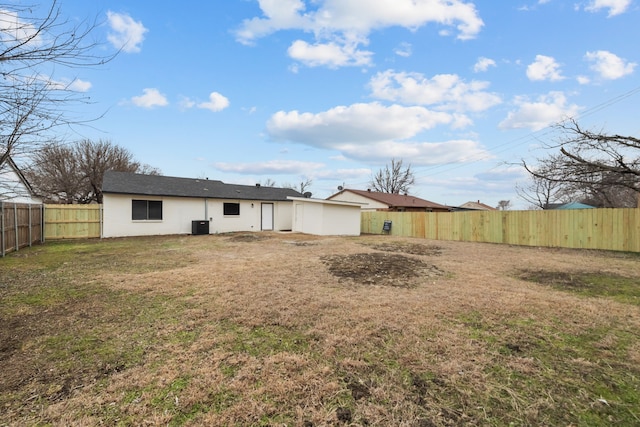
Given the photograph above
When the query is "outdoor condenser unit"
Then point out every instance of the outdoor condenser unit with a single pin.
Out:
(199, 227)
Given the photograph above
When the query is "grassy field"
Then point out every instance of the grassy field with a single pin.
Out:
(288, 329)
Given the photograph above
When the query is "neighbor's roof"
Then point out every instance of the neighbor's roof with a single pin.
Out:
(571, 205)
(157, 185)
(395, 200)
(477, 206)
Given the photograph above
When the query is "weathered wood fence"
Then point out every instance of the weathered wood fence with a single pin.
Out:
(72, 221)
(609, 229)
(20, 225)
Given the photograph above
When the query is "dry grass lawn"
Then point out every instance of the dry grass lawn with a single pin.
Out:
(288, 329)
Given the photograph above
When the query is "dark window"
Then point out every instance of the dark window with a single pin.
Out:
(231, 209)
(146, 210)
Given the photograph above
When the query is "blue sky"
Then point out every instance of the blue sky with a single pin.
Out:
(331, 90)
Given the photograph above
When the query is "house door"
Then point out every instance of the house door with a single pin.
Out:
(267, 216)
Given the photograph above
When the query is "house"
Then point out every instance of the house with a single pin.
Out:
(138, 205)
(474, 206)
(377, 201)
(14, 187)
(326, 217)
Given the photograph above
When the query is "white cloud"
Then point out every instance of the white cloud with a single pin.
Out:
(340, 26)
(404, 50)
(342, 174)
(151, 98)
(80, 85)
(126, 34)
(608, 65)
(186, 103)
(445, 91)
(535, 115)
(483, 64)
(583, 80)
(332, 55)
(76, 85)
(270, 167)
(354, 124)
(13, 29)
(616, 7)
(373, 131)
(419, 153)
(217, 102)
(544, 68)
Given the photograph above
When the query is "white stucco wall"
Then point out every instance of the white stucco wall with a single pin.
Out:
(179, 212)
(12, 189)
(367, 204)
(326, 218)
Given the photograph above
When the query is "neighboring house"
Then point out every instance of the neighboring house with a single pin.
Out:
(377, 201)
(474, 206)
(137, 205)
(326, 217)
(572, 205)
(14, 187)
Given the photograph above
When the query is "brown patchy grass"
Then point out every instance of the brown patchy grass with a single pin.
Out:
(289, 329)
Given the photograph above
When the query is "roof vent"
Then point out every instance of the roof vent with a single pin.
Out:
(307, 194)
(258, 185)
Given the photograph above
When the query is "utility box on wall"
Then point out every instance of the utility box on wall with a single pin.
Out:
(199, 227)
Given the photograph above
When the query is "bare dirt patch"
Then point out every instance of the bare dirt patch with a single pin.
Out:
(380, 269)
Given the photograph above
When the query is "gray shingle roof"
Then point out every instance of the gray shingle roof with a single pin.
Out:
(168, 186)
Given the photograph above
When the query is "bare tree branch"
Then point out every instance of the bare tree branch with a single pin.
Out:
(32, 46)
(393, 178)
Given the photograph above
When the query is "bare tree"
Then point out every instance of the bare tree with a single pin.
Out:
(595, 165)
(393, 178)
(73, 173)
(504, 205)
(34, 43)
(539, 191)
(268, 183)
(302, 188)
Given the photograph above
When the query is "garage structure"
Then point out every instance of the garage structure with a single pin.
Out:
(326, 217)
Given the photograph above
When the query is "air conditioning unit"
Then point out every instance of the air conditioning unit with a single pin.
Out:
(199, 227)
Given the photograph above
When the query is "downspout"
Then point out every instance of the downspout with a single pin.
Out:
(206, 209)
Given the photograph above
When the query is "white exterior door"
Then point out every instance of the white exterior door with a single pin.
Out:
(267, 216)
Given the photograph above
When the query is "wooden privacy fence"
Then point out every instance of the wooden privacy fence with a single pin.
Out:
(20, 225)
(72, 221)
(609, 229)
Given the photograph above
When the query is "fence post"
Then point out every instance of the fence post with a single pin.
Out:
(42, 208)
(30, 220)
(15, 225)
(2, 250)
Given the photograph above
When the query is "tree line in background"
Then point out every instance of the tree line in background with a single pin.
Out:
(594, 168)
